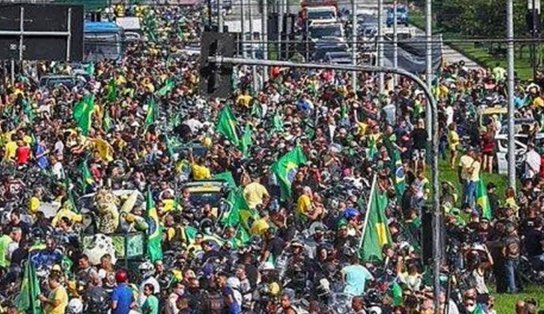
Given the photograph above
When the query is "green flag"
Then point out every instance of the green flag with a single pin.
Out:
(89, 68)
(482, 200)
(225, 177)
(166, 88)
(112, 90)
(71, 200)
(241, 238)
(83, 112)
(27, 301)
(396, 293)
(246, 141)
(237, 203)
(154, 234)
(372, 148)
(226, 125)
(86, 177)
(376, 233)
(277, 122)
(152, 112)
(286, 168)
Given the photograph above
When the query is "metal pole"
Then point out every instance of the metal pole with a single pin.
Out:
(395, 42)
(288, 28)
(220, 15)
(12, 71)
(22, 29)
(380, 45)
(533, 36)
(354, 45)
(429, 60)
(252, 48)
(243, 27)
(510, 66)
(280, 27)
(69, 38)
(265, 37)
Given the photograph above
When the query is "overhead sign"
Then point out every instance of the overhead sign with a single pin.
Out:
(41, 32)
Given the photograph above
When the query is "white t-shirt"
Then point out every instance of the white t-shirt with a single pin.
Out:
(449, 115)
(532, 164)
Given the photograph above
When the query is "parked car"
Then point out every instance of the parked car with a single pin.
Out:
(323, 49)
(338, 57)
(326, 32)
(402, 16)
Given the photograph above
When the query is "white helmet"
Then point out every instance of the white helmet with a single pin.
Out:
(75, 306)
(147, 269)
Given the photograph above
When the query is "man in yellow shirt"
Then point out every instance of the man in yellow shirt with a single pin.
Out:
(10, 149)
(255, 193)
(244, 99)
(199, 171)
(305, 206)
(57, 301)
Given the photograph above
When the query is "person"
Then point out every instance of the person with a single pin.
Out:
(488, 148)
(511, 252)
(286, 306)
(358, 305)
(419, 137)
(255, 193)
(122, 299)
(355, 277)
(57, 301)
(453, 143)
(174, 298)
(151, 304)
(231, 306)
(532, 162)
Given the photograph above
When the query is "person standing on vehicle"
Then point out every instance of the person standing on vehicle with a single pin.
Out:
(122, 297)
(511, 252)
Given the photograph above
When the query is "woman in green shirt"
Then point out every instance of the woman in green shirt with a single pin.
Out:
(151, 304)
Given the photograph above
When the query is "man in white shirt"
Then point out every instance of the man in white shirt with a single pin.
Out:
(532, 162)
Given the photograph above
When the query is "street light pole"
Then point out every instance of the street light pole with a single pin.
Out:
(511, 109)
(395, 42)
(380, 45)
(429, 53)
(265, 37)
(354, 44)
(220, 15)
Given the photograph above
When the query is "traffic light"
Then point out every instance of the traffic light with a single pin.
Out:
(215, 78)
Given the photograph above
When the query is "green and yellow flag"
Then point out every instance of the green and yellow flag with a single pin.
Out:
(27, 301)
(376, 233)
(226, 125)
(482, 200)
(83, 112)
(152, 112)
(154, 232)
(86, 177)
(286, 168)
(225, 177)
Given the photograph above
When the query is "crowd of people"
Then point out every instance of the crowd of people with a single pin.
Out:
(325, 188)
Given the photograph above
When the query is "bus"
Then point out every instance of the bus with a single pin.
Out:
(103, 40)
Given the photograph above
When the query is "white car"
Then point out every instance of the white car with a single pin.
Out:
(520, 140)
(325, 14)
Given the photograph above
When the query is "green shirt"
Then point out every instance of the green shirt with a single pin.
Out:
(151, 305)
(5, 240)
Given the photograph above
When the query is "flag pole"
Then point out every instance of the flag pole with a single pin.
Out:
(367, 214)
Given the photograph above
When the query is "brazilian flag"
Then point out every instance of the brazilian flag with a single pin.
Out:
(154, 234)
(286, 168)
(377, 232)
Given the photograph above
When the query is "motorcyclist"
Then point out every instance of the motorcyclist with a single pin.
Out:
(147, 271)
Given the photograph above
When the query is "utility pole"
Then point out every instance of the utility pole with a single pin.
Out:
(534, 7)
(265, 37)
(380, 45)
(354, 44)
(280, 27)
(510, 73)
(252, 47)
(288, 28)
(395, 42)
(220, 15)
(429, 55)
(243, 27)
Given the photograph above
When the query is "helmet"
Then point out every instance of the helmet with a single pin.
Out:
(121, 276)
(75, 306)
(146, 269)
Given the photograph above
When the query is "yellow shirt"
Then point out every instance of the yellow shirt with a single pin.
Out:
(453, 140)
(244, 100)
(465, 162)
(34, 204)
(304, 204)
(259, 227)
(11, 151)
(59, 295)
(64, 212)
(475, 175)
(254, 194)
(200, 172)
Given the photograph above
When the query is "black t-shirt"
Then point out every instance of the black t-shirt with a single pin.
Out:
(419, 138)
(275, 247)
(532, 243)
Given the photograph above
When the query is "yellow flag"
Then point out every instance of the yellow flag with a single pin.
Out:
(104, 149)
